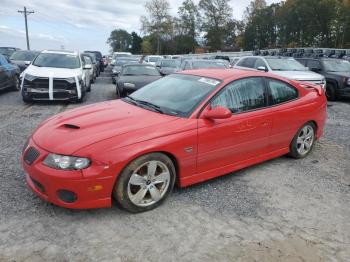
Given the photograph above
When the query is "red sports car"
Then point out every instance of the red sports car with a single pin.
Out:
(185, 128)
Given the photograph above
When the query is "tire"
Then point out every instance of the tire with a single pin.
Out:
(82, 98)
(89, 88)
(16, 83)
(304, 141)
(117, 92)
(331, 92)
(26, 100)
(145, 190)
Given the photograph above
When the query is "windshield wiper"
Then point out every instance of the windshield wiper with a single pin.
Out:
(145, 103)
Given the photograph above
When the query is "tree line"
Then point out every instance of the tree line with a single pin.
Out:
(210, 26)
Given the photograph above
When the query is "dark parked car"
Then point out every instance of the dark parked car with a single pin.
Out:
(336, 72)
(168, 66)
(9, 75)
(96, 65)
(203, 63)
(118, 64)
(8, 51)
(99, 58)
(23, 58)
(133, 77)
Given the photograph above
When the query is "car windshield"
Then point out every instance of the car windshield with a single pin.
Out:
(140, 70)
(208, 64)
(57, 60)
(24, 55)
(289, 64)
(177, 94)
(336, 65)
(7, 51)
(170, 63)
(153, 59)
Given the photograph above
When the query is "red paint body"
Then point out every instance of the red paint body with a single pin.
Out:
(114, 133)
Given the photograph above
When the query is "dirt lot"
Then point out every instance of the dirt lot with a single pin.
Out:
(281, 210)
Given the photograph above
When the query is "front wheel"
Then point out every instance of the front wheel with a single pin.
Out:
(16, 83)
(145, 183)
(303, 141)
(331, 92)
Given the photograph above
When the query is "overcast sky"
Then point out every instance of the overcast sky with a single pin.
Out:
(77, 24)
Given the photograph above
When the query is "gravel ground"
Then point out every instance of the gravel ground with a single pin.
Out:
(281, 210)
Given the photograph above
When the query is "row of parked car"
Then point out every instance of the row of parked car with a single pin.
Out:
(50, 74)
(133, 72)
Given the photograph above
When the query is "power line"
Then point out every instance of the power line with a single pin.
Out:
(25, 12)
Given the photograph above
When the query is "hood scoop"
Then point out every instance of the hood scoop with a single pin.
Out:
(71, 126)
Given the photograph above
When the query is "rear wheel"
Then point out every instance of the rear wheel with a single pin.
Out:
(331, 92)
(303, 141)
(145, 183)
(16, 83)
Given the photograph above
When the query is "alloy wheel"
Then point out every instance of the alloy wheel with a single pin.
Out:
(305, 140)
(148, 183)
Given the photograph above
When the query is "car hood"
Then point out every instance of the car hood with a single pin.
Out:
(52, 72)
(72, 130)
(138, 81)
(299, 75)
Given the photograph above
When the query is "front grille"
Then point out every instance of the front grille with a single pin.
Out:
(60, 84)
(31, 155)
(41, 83)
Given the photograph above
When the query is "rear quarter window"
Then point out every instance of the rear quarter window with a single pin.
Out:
(281, 92)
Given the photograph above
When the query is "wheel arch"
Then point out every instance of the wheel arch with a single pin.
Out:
(172, 157)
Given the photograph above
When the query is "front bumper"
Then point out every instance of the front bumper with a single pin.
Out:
(91, 187)
(39, 89)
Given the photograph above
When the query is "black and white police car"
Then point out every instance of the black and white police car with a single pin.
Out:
(56, 75)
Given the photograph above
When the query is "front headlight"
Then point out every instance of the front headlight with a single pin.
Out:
(29, 77)
(348, 81)
(66, 162)
(71, 80)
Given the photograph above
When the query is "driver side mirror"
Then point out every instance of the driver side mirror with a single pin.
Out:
(217, 113)
(262, 68)
(27, 63)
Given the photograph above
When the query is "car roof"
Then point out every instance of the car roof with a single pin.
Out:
(64, 52)
(225, 74)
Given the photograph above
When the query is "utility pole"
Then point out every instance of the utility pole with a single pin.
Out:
(25, 12)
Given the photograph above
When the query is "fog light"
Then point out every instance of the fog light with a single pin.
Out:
(67, 196)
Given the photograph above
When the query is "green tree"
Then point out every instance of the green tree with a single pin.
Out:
(119, 40)
(215, 15)
(158, 22)
(188, 25)
(136, 42)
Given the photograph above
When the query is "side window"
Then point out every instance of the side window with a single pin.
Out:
(187, 66)
(241, 62)
(302, 61)
(3, 61)
(250, 62)
(281, 92)
(314, 64)
(259, 62)
(242, 95)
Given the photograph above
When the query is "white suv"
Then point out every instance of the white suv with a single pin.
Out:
(286, 67)
(56, 75)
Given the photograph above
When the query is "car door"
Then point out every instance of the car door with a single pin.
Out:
(287, 113)
(5, 76)
(242, 136)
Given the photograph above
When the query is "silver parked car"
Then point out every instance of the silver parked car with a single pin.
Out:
(286, 67)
